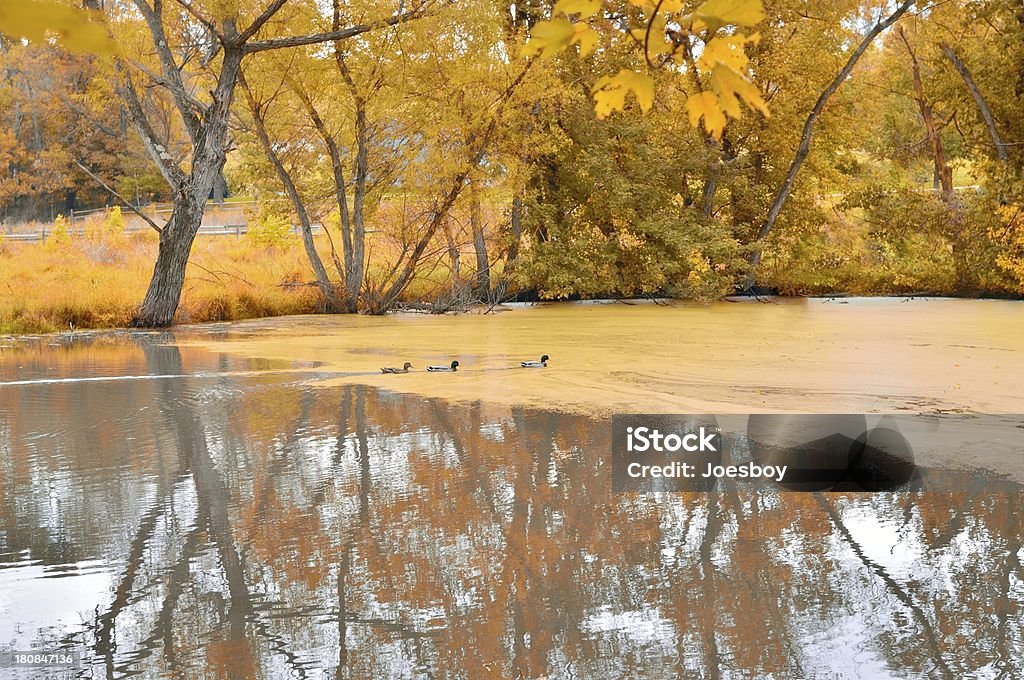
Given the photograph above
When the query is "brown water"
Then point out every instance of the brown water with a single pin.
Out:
(215, 516)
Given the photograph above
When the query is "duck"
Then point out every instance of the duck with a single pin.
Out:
(444, 369)
(543, 363)
(392, 369)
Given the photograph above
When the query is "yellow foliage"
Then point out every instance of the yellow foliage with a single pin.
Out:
(610, 92)
(714, 14)
(727, 50)
(705, 105)
(62, 283)
(728, 84)
(110, 229)
(37, 20)
(723, 55)
(548, 38)
(59, 237)
(584, 8)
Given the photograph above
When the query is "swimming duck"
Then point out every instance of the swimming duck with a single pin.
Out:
(392, 369)
(543, 363)
(444, 369)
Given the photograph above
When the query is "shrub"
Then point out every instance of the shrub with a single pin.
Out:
(270, 228)
(59, 237)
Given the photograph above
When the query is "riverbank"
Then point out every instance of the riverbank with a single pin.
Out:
(98, 280)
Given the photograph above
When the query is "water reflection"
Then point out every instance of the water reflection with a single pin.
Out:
(241, 526)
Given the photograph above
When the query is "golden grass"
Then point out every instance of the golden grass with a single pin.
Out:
(97, 282)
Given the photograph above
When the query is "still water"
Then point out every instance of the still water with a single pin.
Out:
(171, 512)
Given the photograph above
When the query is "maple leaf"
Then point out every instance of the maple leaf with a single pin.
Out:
(548, 38)
(610, 92)
(728, 50)
(584, 8)
(37, 20)
(705, 105)
(714, 14)
(727, 84)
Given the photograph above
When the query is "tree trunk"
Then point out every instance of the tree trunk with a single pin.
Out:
(979, 99)
(355, 265)
(482, 281)
(943, 172)
(517, 232)
(454, 256)
(220, 189)
(440, 212)
(351, 297)
(808, 130)
(322, 279)
(164, 293)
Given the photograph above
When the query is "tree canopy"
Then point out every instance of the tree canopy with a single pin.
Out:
(453, 151)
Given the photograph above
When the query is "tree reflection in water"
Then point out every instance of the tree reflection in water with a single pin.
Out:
(262, 526)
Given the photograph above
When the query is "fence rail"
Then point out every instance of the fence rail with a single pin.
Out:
(237, 230)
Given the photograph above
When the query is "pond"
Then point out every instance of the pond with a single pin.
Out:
(168, 509)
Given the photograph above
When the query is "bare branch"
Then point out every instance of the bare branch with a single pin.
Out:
(172, 74)
(157, 151)
(118, 196)
(316, 38)
(259, 22)
(979, 99)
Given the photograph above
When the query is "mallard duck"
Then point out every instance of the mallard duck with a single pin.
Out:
(444, 369)
(543, 363)
(392, 369)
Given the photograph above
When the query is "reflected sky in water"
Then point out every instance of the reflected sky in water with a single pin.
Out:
(243, 522)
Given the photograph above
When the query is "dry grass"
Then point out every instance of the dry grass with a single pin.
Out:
(92, 275)
(98, 281)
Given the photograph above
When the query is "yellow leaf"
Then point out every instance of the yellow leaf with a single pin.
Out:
(727, 84)
(38, 20)
(705, 105)
(728, 50)
(610, 92)
(548, 38)
(586, 37)
(717, 13)
(648, 6)
(585, 8)
(657, 43)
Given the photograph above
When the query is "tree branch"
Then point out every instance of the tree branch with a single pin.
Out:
(116, 195)
(259, 22)
(157, 151)
(812, 118)
(185, 104)
(979, 99)
(315, 38)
